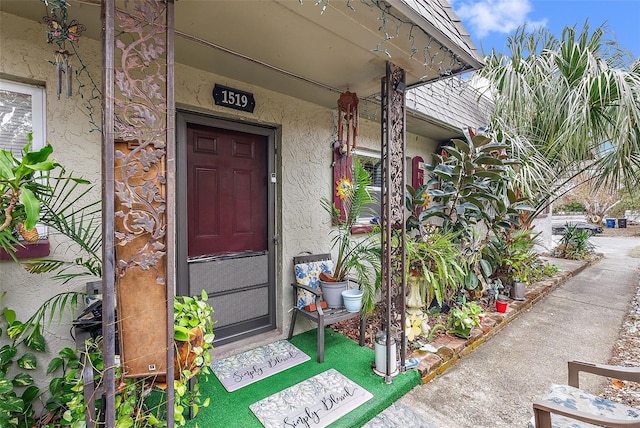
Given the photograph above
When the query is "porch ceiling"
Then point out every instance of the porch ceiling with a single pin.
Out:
(293, 48)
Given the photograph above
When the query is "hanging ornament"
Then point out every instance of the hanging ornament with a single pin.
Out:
(347, 121)
(60, 31)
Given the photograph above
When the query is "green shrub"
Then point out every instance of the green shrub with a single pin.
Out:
(574, 245)
(462, 319)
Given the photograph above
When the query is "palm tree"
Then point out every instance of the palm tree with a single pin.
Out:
(567, 106)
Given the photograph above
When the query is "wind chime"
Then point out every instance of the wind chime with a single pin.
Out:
(60, 31)
(347, 122)
(347, 136)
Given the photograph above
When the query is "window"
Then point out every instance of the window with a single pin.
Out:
(22, 110)
(372, 163)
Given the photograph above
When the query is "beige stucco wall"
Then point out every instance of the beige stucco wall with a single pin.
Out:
(24, 54)
(303, 155)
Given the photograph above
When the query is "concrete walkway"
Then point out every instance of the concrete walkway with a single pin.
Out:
(495, 385)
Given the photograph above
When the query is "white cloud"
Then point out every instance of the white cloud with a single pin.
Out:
(501, 16)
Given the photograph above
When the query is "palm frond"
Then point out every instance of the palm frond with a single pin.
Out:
(565, 106)
(65, 210)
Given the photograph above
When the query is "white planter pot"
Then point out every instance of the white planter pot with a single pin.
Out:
(352, 300)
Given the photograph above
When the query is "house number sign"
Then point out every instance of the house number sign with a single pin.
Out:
(233, 98)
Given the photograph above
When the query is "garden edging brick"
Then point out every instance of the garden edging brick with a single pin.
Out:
(450, 348)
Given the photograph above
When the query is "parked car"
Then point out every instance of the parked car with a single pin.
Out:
(591, 228)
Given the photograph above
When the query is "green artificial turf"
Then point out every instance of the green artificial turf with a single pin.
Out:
(231, 409)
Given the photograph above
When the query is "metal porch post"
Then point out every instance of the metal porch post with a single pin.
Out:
(393, 207)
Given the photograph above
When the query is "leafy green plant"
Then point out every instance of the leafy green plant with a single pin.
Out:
(462, 319)
(550, 269)
(358, 255)
(64, 210)
(432, 256)
(190, 313)
(64, 388)
(574, 245)
(131, 409)
(513, 256)
(17, 393)
(469, 183)
(21, 190)
(477, 269)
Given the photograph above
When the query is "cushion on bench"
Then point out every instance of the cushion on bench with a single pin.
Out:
(308, 274)
(577, 399)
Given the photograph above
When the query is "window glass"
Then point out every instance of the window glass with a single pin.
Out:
(372, 164)
(21, 111)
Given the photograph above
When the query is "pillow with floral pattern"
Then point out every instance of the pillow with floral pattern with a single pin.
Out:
(308, 274)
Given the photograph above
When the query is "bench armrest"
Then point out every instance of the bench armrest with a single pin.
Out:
(618, 372)
(316, 292)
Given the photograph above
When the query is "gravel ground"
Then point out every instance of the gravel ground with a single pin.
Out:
(630, 230)
(626, 352)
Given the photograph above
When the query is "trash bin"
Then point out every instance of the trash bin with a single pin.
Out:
(611, 223)
(622, 223)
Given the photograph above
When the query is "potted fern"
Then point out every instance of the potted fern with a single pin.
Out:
(358, 256)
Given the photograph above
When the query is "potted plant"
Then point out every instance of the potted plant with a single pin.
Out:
(24, 186)
(192, 334)
(516, 259)
(357, 255)
(432, 257)
(520, 279)
(462, 319)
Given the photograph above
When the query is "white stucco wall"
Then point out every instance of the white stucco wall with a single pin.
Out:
(304, 156)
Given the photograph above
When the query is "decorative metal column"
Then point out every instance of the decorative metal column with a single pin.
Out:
(393, 209)
(138, 191)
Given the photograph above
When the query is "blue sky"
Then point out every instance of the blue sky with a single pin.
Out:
(490, 22)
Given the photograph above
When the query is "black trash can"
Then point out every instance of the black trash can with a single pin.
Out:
(622, 223)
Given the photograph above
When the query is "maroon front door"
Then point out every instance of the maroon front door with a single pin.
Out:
(228, 226)
(227, 191)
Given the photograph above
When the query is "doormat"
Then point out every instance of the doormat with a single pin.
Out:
(256, 364)
(315, 402)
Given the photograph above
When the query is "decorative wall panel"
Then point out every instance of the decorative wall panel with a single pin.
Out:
(141, 69)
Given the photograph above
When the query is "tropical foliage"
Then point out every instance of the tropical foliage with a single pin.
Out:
(358, 255)
(64, 397)
(574, 245)
(470, 183)
(564, 106)
(433, 257)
